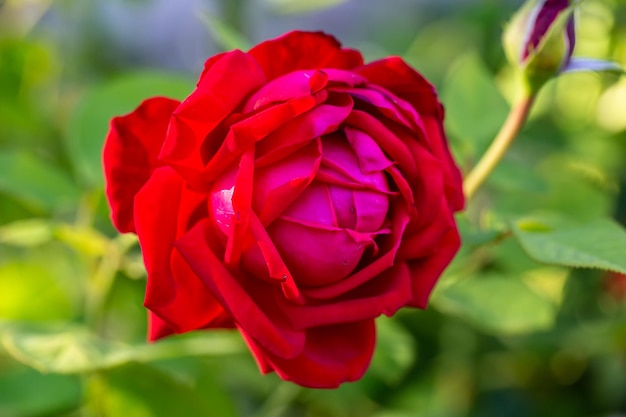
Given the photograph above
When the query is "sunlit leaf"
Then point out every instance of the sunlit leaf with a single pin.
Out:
(496, 303)
(69, 350)
(31, 291)
(86, 240)
(30, 232)
(598, 244)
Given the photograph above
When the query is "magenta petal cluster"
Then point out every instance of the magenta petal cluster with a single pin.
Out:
(296, 195)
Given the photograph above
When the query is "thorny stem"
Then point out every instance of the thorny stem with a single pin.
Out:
(505, 137)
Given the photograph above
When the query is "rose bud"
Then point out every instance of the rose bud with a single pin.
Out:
(540, 39)
(296, 195)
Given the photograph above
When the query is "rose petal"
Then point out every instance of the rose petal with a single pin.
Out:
(421, 242)
(301, 51)
(406, 83)
(157, 328)
(384, 294)
(343, 78)
(275, 266)
(257, 314)
(398, 77)
(401, 111)
(173, 292)
(332, 355)
(130, 155)
(223, 86)
(278, 185)
(386, 140)
(313, 205)
(389, 246)
(340, 166)
(453, 181)
(315, 255)
(323, 119)
(242, 208)
(371, 210)
(250, 130)
(546, 13)
(286, 87)
(383, 103)
(428, 186)
(371, 157)
(426, 271)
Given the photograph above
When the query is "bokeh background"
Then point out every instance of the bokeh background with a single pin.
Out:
(504, 335)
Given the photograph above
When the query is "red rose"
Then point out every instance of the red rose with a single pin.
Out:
(296, 194)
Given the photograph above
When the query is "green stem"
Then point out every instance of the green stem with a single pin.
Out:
(505, 137)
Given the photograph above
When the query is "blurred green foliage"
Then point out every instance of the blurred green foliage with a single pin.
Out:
(505, 335)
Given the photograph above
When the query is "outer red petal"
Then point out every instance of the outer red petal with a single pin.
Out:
(427, 271)
(398, 77)
(332, 355)
(453, 181)
(130, 155)
(303, 50)
(226, 81)
(383, 294)
(163, 209)
(158, 328)
(246, 298)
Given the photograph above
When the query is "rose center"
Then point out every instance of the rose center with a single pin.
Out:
(325, 232)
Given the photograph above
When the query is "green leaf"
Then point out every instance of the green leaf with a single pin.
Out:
(26, 392)
(499, 304)
(89, 123)
(142, 391)
(474, 236)
(599, 244)
(35, 182)
(475, 125)
(31, 232)
(82, 239)
(68, 350)
(395, 351)
(32, 291)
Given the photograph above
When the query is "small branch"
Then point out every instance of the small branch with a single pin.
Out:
(505, 137)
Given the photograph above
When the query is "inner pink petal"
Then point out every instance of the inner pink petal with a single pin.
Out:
(371, 210)
(285, 87)
(371, 158)
(314, 205)
(221, 202)
(339, 156)
(343, 203)
(316, 256)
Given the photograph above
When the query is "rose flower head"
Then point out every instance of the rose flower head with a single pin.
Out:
(296, 194)
(540, 39)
